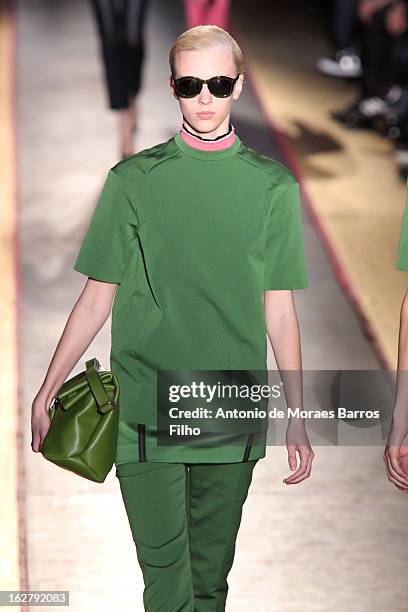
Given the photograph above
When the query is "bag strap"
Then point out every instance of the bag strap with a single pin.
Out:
(97, 388)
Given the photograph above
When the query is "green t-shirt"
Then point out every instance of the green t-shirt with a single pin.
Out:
(402, 258)
(192, 238)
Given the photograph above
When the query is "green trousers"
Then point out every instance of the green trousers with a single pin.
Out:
(184, 520)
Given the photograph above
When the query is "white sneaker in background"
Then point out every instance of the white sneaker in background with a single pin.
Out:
(344, 64)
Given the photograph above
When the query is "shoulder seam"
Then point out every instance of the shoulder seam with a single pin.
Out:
(142, 154)
(161, 161)
(268, 174)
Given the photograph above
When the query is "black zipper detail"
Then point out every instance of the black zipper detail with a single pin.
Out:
(248, 446)
(142, 442)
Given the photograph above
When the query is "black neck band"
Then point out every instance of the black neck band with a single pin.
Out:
(209, 139)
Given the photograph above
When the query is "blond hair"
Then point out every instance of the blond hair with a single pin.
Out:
(203, 37)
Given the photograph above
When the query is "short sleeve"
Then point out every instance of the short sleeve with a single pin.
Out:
(107, 246)
(402, 258)
(285, 263)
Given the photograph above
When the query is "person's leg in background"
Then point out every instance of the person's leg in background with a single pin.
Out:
(378, 73)
(219, 14)
(345, 34)
(154, 496)
(201, 12)
(120, 25)
(194, 11)
(377, 53)
(217, 494)
(344, 23)
(135, 39)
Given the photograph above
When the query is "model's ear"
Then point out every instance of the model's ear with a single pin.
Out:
(172, 86)
(238, 86)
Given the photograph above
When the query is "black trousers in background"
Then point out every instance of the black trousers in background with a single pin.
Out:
(381, 57)
(120, 26)
(344, 23)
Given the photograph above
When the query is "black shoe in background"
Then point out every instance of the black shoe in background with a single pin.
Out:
(362, 114)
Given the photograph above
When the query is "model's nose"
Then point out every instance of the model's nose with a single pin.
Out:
(205, 95)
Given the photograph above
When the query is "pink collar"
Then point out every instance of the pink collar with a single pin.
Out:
(211, 145)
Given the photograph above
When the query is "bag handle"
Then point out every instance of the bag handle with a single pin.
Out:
(96, 386)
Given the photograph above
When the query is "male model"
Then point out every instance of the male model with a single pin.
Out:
(199, 239)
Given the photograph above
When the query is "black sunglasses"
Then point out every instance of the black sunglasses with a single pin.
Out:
(190, 86)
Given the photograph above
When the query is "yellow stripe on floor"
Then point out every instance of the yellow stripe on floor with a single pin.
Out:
(9, 533)
(349, 176)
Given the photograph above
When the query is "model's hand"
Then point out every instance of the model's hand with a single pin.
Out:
(396, 456)
(367, 8)
(297, 441)
(40, 422)
(396, 19)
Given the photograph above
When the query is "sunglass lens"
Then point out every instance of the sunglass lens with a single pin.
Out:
(188, 88)
(221, 86)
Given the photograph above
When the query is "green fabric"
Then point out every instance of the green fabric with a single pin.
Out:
(402, 258)
(192, 238)
(228, 447)
(184, 522)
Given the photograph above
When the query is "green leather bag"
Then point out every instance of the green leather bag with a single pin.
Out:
(84, 424)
